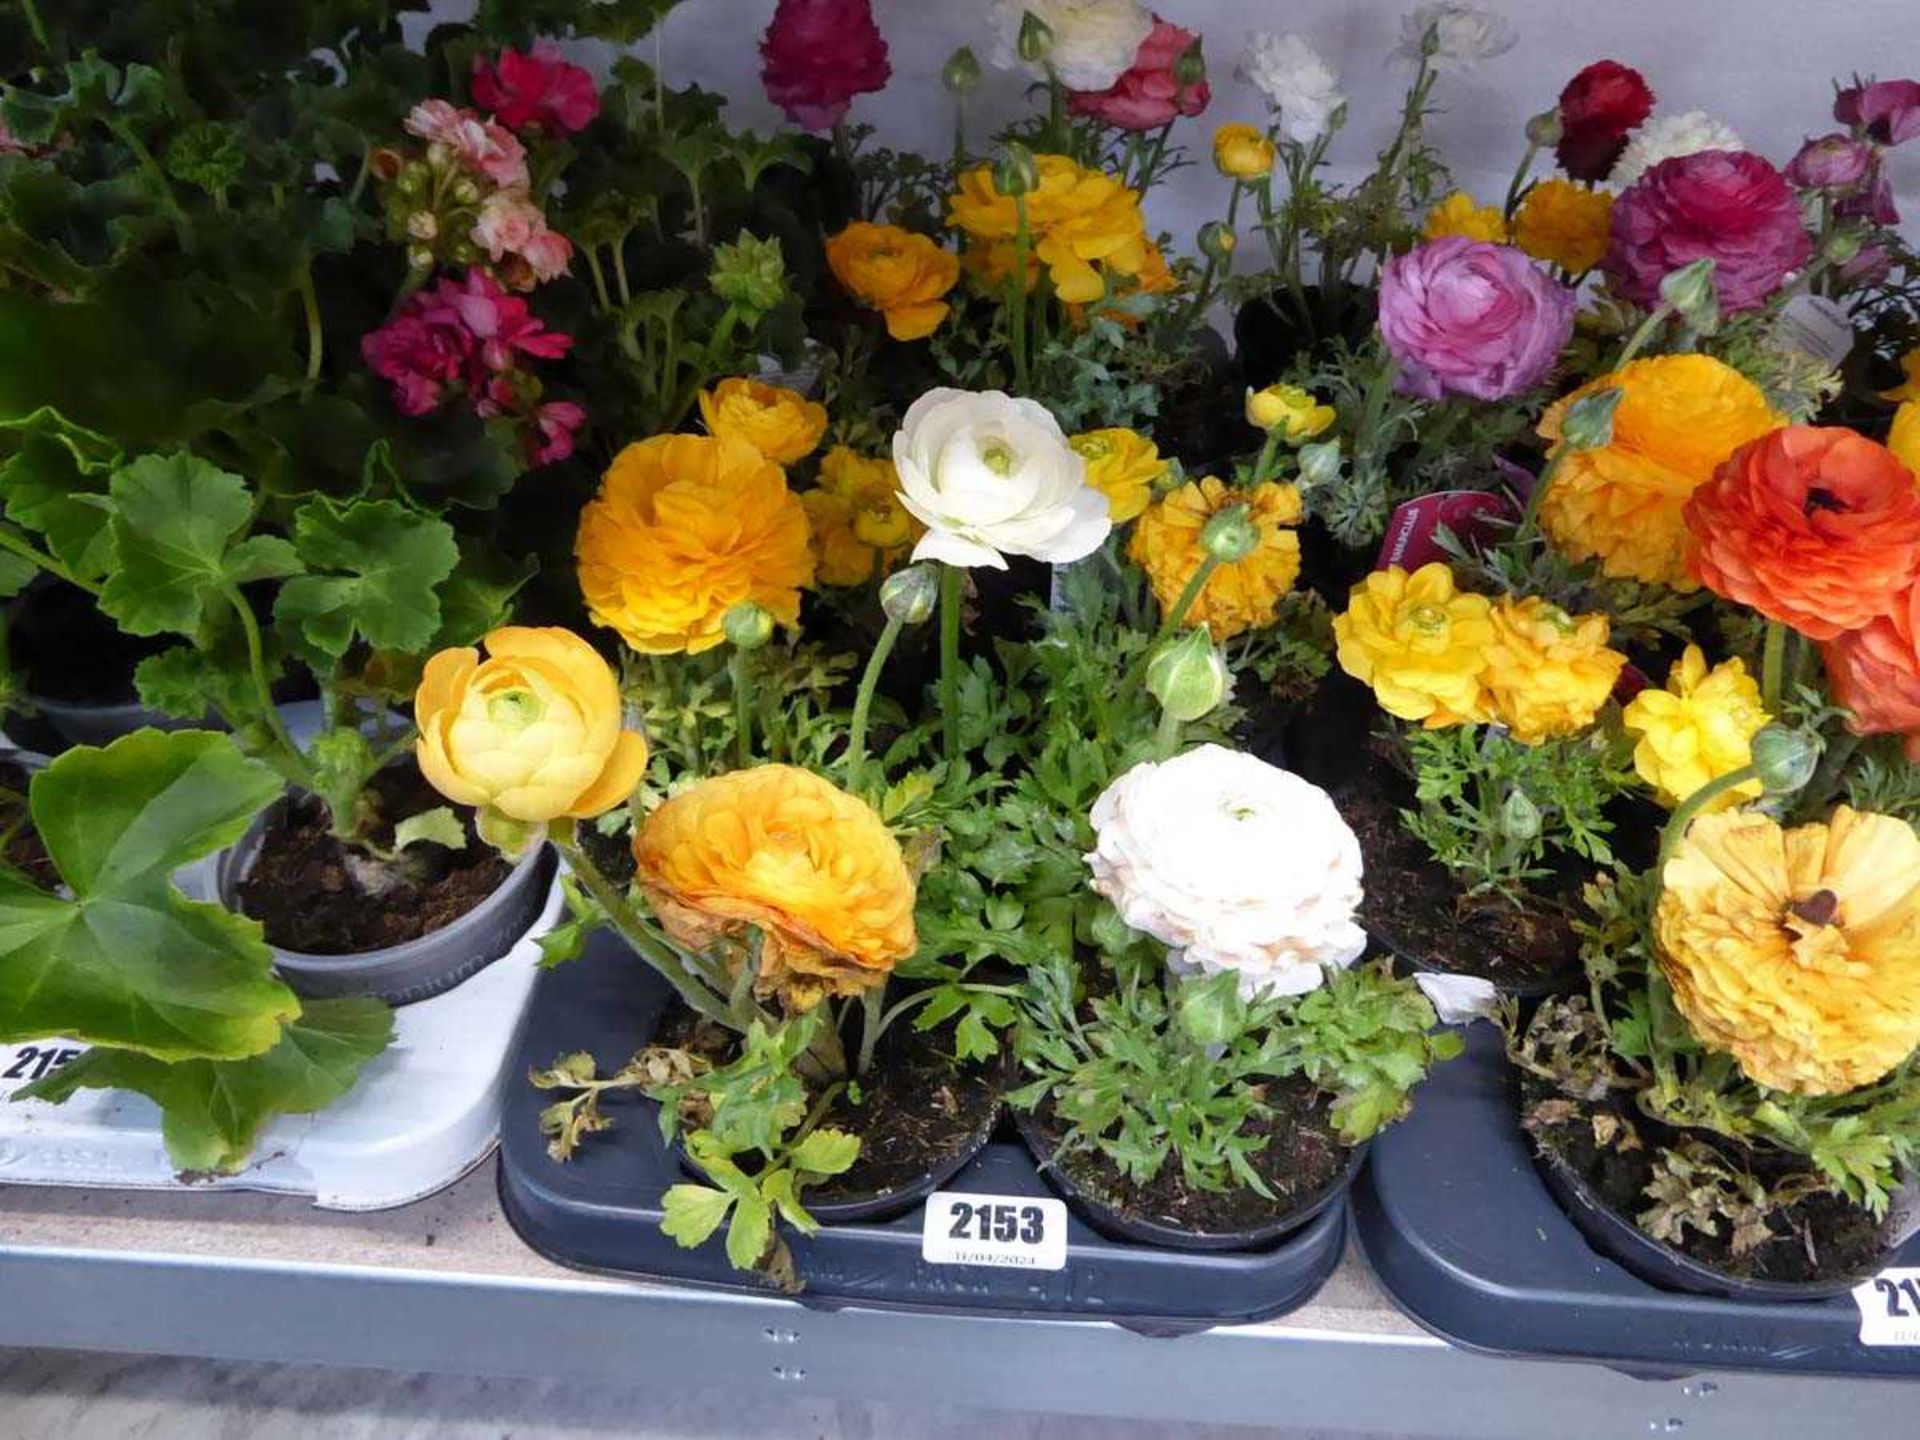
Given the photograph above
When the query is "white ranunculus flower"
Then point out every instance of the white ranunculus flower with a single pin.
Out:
(991, 475)
(1464, 34)
(1298, 83)
(1093, 40)
(1665, 137)
(1233, 864)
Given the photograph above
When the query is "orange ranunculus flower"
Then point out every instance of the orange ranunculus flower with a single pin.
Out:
(774, 847)
(1461, 214)
(1875, 672)
(1241, 594)
(1086, 227)
(1679, 416)
(1547, 672)
(684, 528)
(901, 273)
(1813, 526)
(781, 424)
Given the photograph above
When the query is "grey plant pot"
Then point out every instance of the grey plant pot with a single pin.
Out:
(103, 724)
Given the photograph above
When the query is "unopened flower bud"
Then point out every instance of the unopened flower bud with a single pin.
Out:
(1842, 246)
(1690, 291)
(1191, 68)
(1784, 759)
(1588, 422)
(465, 252)
(1519, 817)
(1293, 413)
(1187, 676)
(750, 272)
(1036, 38)
(1544, 129)
(1211, 1013)
(1230, 535)
(1217, 241)
(1016, 172)
(465, 192)
(1319, 463)
(420, 257)
(423, 225)
(909, 595)
(961, 73)
(387, 165)
(511, 837)
(748, 625)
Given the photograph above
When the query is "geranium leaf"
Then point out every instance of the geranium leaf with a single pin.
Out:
(214, 1110)
(128, 960)
(47, 485)
(374, 569)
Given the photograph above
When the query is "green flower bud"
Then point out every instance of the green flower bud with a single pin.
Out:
(909, 595)
(750, 273)
(1217, 241)
(1016, 172)
(1211, 1011)
(1588, 423)
(420, 257)
(1230, 535)
(422, 225)
(1036, 38)
(1843, 246)
(961, 73)
(465, 192)
(1691, 292)
(1319, 463)
(511, 837)
(1785, 759)
(748, 625)
(1544, 129)
(1191, 68)
(1187, 676)
(1519, 817)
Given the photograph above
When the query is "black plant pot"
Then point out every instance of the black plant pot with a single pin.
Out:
(1270, 332)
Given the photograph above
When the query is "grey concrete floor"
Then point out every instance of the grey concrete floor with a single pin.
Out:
(64, 1395)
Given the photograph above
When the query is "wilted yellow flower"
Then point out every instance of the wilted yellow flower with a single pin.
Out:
(1122, 465)
(901, 273)
(532, 732)
(781, 424)
(1564, 224)
(1909, 388)
(779, 848)
(1083, 224)
(1296, 414)
(1419, 643)
(1904, 439)
(1697, 729)
(1679, 417)
(1241, 152)
(1548, 672)
(857, 518)
(1797, 951)
(1242, 594)
(1459, 214)
(684, 528)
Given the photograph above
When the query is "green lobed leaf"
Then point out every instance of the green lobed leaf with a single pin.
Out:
(826, 1152)
(750, 1231)
(691, 1213)
(214, 1110)
(439, 826)
(374, 567)
(50, 483)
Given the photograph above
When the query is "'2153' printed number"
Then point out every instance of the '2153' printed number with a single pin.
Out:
(1006, 1224)
(36, 1062)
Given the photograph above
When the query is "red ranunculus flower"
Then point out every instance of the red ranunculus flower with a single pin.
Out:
(1600, 107)
(1726, 206)
(817, 55)
(1875, 672)
(537, 88)
(1888, 110)
(1148, 94)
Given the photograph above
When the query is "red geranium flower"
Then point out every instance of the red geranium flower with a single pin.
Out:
(1600, 107)
(538, 88)
(817, 55)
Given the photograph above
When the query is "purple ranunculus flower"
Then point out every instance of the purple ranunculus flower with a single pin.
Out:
(1888, 110)
(1464, 317)
(1727, 206)
(1835, 163)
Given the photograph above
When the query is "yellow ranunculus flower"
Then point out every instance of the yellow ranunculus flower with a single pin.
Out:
(779, 848)
(684, 528)
(1909, 388)
(1241, 152)
(1084, 226)
(1904, 439)
(1122, 465)
(532, 732)
(1296, 414)
(1697, 729)
(1458, 214)
(901, 273)
(1797, 951)
(857, 518)
(1240, 595)
(1548, 672)
(1419, 643)
(1564, 224)
(1679, 417)
(781, 424)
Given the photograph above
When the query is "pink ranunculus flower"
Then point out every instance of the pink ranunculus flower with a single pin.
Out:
(1463, 317)
(511, 225)
(1873, 201)
(549, 436)
(1148, 94)
(539, 88)
(1836, 163)
(478, 144)
(1727, 206)
(817, 55)
(1887, 110)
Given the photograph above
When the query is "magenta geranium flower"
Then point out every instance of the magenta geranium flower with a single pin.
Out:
(538, 88)
(1887, 110)
(817, 55)
(1148, 94)
(1463, 317)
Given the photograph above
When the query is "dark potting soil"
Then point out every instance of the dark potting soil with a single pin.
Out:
(303, 888)
(1821, 1237)
(23, 849)
(66, 650)
(1302, 1157)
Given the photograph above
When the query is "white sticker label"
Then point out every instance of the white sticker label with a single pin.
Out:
(1890, 1307)
(1816, 326)
(1018, 1232)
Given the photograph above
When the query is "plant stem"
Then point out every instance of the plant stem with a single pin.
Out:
(872, 1023)
(310, 302)
(1166, 736)
(34, 24)
(1263, 467)
(1519, 180)
(1684, 813)
(1191, 593)
(1648, 328)
(739, 672)
(13, 540)
(1017, 294)
(1530, 514)
(856, 758)
(599, 278)
(952, 583)
(1773, 666)
(263, 686)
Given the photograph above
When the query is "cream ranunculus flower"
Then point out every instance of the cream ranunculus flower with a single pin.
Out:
(1463, 34)
(1233, 864)
(990, 475)
(531, 733)
(1094, 41)
(1297, 83)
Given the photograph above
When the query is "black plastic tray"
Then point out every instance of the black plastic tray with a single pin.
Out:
(1460, 1228)
(601, 1210)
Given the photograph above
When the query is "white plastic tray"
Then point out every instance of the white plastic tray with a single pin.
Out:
(422, 1115)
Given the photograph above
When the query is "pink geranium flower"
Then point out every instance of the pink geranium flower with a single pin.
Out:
(538, 88)
(509, 224)
(1148, 94)
(478, 144)
(419, 353)
(550, 436)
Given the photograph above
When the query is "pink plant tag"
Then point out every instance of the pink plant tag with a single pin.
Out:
(1412, 532)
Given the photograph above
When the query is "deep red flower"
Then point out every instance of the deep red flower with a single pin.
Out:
(1600, 107)
(1727, 206)
(538, 88)
(1887, 110)
(817, 55)
(1148, 94)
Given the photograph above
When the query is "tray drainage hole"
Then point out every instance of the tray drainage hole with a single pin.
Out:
(788, 1372)
(777, 1336)
(1667, 1426)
